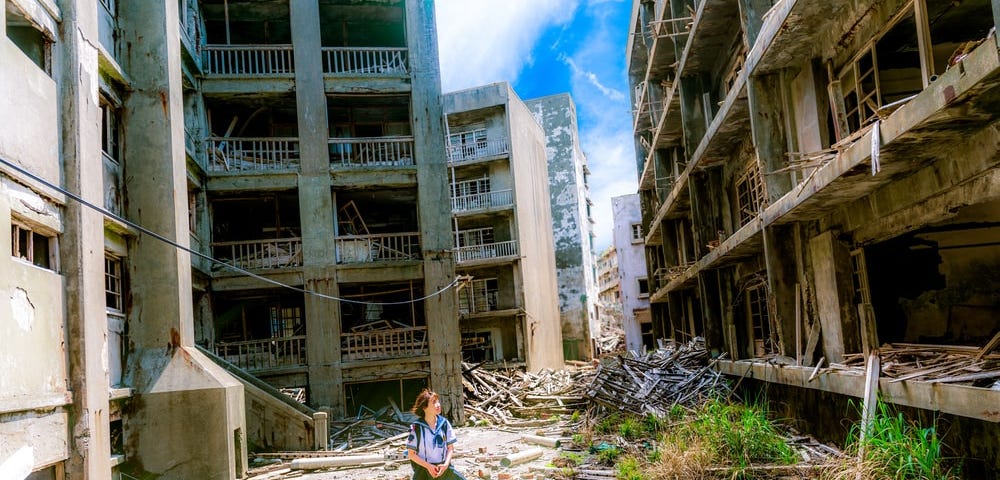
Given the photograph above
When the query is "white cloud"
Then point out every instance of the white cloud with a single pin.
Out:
(611, 93)
(486, 41)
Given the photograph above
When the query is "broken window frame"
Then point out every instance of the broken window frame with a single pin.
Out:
(637, 236)
(859, 277)
(33, 246)
(286, 320)
(642, 283)
(470, 143)
(114, 283)
(757, 312)
(481, 296)
(474, 237)
(751, 192)
(476, 186)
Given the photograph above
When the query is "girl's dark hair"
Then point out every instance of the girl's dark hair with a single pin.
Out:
(423, 400)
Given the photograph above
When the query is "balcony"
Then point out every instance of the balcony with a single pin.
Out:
(265, 354)
(384, 344)
(482, 201)
(378, 248)
(260, 254)
(252, 154)
(248, 61)
(486, 251)
(470, 151)
(372, 152)
(365, 61)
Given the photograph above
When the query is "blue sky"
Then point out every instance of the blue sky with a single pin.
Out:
(543, 47)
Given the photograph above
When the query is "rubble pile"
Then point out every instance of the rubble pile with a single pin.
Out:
(370, 427)
(679, 374)
(516, 398)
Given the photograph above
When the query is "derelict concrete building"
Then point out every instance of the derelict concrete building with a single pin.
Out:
(299, 141)
(820, 179)
(633, 278)
(502, 222)
(572, 224)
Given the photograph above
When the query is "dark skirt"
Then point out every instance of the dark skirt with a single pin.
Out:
(421, 473)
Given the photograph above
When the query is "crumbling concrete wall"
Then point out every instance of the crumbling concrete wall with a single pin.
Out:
(571, 223)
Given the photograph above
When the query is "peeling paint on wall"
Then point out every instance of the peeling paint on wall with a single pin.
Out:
(22, 309)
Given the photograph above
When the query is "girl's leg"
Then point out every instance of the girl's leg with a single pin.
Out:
(420, 473)
(452, 474)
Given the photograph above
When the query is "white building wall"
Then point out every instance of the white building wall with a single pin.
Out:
(631, 265)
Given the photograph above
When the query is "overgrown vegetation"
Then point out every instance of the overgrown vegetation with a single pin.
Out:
(685, 444)
(895, 448)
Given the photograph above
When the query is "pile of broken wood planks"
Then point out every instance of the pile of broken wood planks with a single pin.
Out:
(680, 374)
(956, 364)
(515, 398)
(370, 426)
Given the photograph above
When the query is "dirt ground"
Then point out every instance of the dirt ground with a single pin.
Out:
(478, 455)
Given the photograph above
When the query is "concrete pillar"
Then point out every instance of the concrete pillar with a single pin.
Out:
(82, 261)
(752, 17)
(317, 210)
(711, 311)
(779, 255)
(180, 394)
(692, 112)
(435, 207)
(831, 263)
(767, 123)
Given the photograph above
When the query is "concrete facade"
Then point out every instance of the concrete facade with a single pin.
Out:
(819, 179)
(572, 224)
(500, 203)
(632, 276)
(299, 144)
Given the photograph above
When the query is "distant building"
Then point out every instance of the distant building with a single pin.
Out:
(633, 279)
(572, 224)
(610, 301)
(508, 307)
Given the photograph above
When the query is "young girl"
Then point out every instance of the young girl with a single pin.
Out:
(432, 440)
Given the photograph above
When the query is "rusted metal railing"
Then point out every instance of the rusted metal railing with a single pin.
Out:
(248, 60)
(372, 152)
(373, 61)
(264, 354)
(481, 201)
(260, 254)
(378, 248)
(384, 344)
(486, 251)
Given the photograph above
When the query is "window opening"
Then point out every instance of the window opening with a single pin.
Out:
(478, 346)
(479, 297)
(751, 193)
(643, 288)
(475, 236)
(466, 188)
(470, 143)
(636, 232)
(760, 319)
(114, 282)
(30, 246)
(285, 321)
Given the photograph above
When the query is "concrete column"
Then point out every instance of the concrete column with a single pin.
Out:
(779, 255)
(838, 318)
(692, 112)
(317, 207)
(180, 394)
(434, 215)
(767, 123)
(752, 17)
(711, 311)
(82, 248)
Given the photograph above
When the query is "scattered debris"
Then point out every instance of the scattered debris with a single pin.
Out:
(679, 374)
(516, 398)
(932, 363)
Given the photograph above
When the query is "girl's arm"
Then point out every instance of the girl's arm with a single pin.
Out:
(420, 461)
(447, 458)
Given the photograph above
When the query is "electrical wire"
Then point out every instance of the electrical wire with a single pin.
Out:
(146, 231)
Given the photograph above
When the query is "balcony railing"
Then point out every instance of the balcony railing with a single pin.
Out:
(378, 248)
(374, 61)
(465, 152)
(372, 152)
(266, 354)
(384, 344)
(227, 154)
(249, 60)
(260, 254)
(487, 251)
(481, 201)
